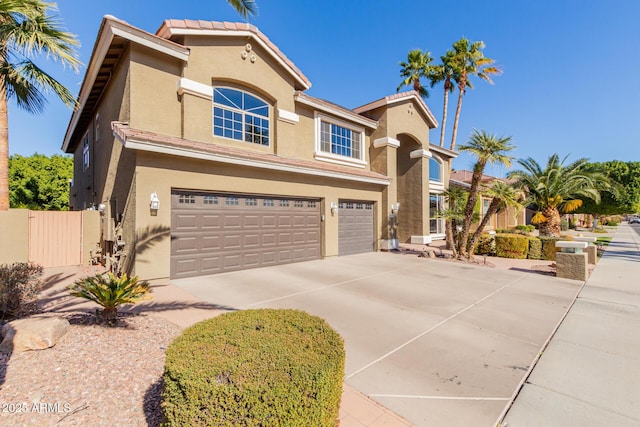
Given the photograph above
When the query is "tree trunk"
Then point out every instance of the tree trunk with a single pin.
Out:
(110, 313)
(551, 227)
(456, 119)
(469, 207)
(449, 226)
(4, 150)
(493, 208)
(447, 86)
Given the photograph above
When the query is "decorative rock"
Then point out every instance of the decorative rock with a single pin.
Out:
(35, 333)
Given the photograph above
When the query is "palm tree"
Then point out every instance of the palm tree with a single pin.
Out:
(558, 188)
(502, 196)
(444, 72)
(418, 66)
(488, 148)
(246, 8)
(454, 196)
(27, 29)
(467, 61)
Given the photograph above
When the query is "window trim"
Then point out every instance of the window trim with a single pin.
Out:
(440, 195)
(86, 152)
(336, 158)
(438, 160)
(243, 112)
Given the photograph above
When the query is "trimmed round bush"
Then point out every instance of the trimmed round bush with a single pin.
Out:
(512, 246)
(261, 367)
(549, 246)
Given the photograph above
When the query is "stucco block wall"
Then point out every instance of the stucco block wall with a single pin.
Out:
(161, 174)
(14, 229)
(90, 234)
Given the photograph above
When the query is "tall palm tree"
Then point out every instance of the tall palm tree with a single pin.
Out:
(417, 67)
(28, 29)
(444, 72)
(488, 149)
(453, 214)
(503, 195)
(558, 188)
(468, 61)
(246, 8)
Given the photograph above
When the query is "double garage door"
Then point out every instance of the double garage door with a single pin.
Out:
(213, 233)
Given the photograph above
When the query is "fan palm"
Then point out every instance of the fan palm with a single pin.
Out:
(503, 195)
(558, 188)
(418, 66)
(487, 148)
(27, 29)
(467, 61)
(444, 72)
(246, 8)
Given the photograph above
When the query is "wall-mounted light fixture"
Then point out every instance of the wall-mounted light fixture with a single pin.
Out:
(102, 207)
(395, 208)
(155, 203)
(334, 208)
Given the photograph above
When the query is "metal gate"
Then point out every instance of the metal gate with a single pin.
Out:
(55, 238)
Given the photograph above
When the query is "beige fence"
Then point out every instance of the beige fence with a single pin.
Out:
(51, 239)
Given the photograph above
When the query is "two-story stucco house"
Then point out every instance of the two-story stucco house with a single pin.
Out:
(201, 146)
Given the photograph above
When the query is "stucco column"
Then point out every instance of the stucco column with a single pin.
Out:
(384, 161)
(420, 234)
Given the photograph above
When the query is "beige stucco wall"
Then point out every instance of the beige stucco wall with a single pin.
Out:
(156, 173)
(14, 229)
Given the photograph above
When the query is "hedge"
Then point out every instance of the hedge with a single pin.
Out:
(535, 248)
(549, 246)
(261, 367)
(485, 245)
(512, 246)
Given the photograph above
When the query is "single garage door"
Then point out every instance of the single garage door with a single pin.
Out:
(355, 227)
(213, 233)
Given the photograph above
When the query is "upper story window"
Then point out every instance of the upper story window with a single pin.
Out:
(339, 142)
(240, 116)
(435, 170)
(85, 152)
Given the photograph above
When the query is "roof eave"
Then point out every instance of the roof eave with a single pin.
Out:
(111, 27)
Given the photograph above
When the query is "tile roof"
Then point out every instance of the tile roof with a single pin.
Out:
(165, 31)
(335, 107)
(465, 176)
(127, 134)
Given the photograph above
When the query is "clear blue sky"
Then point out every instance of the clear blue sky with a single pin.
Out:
(571, 81)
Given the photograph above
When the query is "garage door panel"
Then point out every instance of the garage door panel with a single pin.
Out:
(213, 233)
(186, 222)
(211, 222)
(355, 228)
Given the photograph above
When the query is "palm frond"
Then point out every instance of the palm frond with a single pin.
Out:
(246, 8)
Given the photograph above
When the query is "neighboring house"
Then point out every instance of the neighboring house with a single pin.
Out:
(504, 219)
(205, 154)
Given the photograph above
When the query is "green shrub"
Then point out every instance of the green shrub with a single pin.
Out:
(255, 368)
(19, 286)
(527, 228)
(564, 224)
(535, 248)
(485, 245)
(611, 224)
(512, 246)
(110, 291)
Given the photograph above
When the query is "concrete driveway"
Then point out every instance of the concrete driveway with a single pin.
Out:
(438, 343)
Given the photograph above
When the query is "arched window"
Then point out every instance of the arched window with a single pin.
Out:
(435, 170)
(241, 116)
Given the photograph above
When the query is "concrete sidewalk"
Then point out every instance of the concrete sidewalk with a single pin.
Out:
(589, 375)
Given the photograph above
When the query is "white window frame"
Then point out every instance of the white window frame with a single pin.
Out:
(243, 112)
(439, 194)
(438, 160)
(336, 158)
(86, 154)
